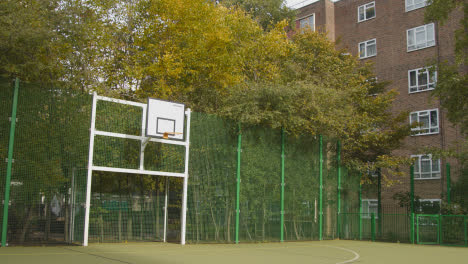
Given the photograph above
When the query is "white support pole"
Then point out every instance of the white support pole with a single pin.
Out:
(119, 101)
(90, 170)
(145, 172)
(72, 207)
(118, 135)
(143, 141)
(184, 194)
(166, 187)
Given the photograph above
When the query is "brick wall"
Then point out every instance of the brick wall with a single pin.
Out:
(392, 63)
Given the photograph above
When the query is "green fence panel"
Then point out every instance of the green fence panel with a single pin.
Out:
(48, 185)
(330, 189)
(260, 192)
(6, 99)
(50, 145)
(131, 208)
(453, 230)
(301, 188)
(349, 226)
(427, 229)
(212, 180)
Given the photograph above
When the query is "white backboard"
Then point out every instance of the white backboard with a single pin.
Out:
(165, 117)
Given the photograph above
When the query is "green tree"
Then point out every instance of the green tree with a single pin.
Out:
(50, 42)
(321, 91)
(25, 48)
(266, 12)
(452, 79)
(452, 83)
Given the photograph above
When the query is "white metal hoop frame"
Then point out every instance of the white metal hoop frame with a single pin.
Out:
(144, 140)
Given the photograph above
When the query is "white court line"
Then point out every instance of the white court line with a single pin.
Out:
(356, 255)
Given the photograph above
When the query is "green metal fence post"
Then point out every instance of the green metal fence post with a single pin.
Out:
(439, 231)
(9, 164)
(373, 226)
(379, 202)
(338, 213)
(320, 188)
(360, 210)
(412, 231)
(239, 150)
(412, 202)
(448, 182)
(282, 184)
(412, 188)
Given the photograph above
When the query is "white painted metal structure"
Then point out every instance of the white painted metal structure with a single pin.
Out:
(144, 140)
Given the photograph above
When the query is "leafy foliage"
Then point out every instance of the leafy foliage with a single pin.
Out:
(266, 12)
(452, 80)
(321, 91)
(213, 58)
(452, 90)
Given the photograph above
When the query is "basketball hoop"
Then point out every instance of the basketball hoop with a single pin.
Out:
(166, 134)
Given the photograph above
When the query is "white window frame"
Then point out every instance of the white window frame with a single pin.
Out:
(364, 9)
(434, 174)
(415, 4)
(425, 130)
(307, 18)
(429, 40)
(366, 44)
(369, 206)
(431, 80)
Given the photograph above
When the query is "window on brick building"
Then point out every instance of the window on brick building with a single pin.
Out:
(425, 167)
(428, 122)
(414, 4)
(422, 79)
(420, 37)
(369, 206)
(428, 206)
(366, 12)
(307, 22)
(368, 49)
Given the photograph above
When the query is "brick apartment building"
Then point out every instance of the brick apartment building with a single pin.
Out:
(393, 35)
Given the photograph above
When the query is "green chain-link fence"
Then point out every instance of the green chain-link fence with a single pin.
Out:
(230, 165)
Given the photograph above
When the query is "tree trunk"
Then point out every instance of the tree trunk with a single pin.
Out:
(214, 223)
(227, 220)
(48, 220)
(298, 237)
(26, 225)
(156, 212)
(101, 227)
(120, 224)
(264, 219)
(67, 216)
(228, 225)
(129, 226)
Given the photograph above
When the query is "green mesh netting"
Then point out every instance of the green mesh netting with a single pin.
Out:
(129, 208)
(454, 230)
(330, 189)
(50, 170)
(427, 229)
(260, 185)
(212, 182)
(301, 188)
(50, 150)
(6, 99)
